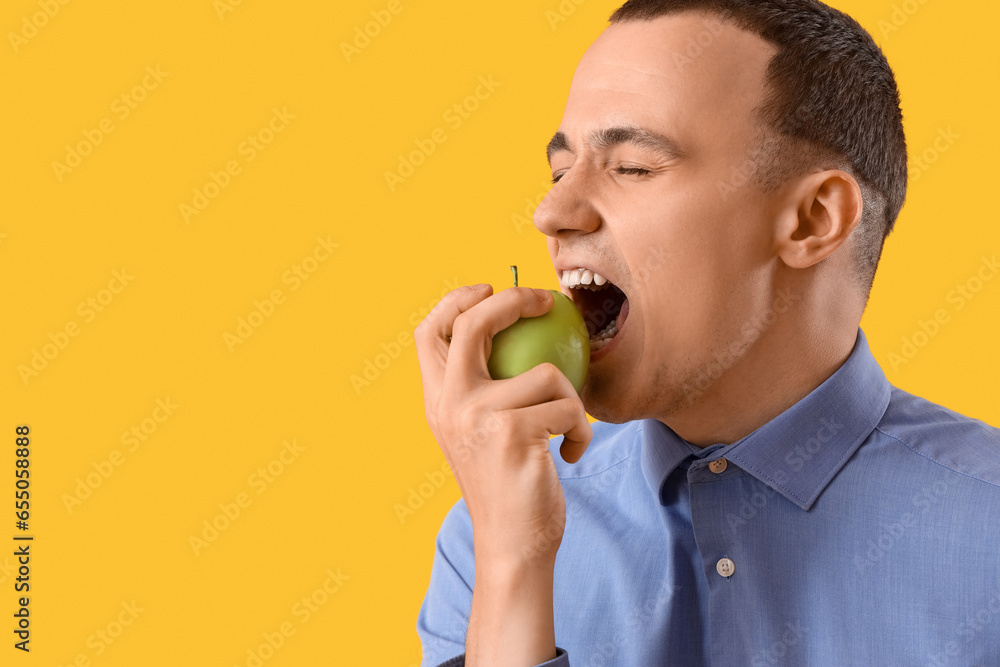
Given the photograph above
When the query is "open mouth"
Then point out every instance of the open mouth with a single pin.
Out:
(603, 304)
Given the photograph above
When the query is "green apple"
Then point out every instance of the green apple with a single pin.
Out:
(559, 337)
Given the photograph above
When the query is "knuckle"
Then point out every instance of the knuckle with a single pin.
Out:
(463, 327)
(565, 408)
(525, 295)
(420, 334)
(572, 409)
(549, 372)
(467, 418)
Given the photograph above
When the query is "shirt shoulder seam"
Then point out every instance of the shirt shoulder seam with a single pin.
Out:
(935, 461)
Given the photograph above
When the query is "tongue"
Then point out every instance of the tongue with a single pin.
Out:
(620, 320)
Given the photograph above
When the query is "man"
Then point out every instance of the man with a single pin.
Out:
(756, 492)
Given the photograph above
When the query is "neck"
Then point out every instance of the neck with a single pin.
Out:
(787, 362)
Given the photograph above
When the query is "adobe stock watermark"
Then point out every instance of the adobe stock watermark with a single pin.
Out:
(742, 174)
(562, 12)
(637, 618)
(774, 654)
(303, 611)
(422, 492)
(752, 330)
(104, 637)
(455, 116)
(876, 549)
(525, 219)
(636, 621)
(594, 487)
(695, 46)
(391, 350)
(434, 480)
(59, 340)
(802, 454)
(294, 277)
(31, 24)
(900, 16)
(248, 150)
(131, 439)
(986, 617)
(363, 35)
(765, 150)
(918, 164)
(795, 460)
(7, 569)
(121, 108)
(958, 298)
(223, 7)
(769, 146)
(258, 481)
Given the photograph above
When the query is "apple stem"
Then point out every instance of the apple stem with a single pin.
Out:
(513, 269)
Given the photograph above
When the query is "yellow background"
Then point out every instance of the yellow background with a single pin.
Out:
(453, 222)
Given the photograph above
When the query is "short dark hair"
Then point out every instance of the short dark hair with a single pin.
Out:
(832, 98)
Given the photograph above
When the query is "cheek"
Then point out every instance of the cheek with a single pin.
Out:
(680, 240)
(692, 294)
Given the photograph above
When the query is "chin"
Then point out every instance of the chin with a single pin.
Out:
(603, 410)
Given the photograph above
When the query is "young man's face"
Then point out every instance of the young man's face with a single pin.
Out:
(689, 239)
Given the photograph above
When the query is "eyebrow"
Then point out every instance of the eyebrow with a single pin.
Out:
(613, 136)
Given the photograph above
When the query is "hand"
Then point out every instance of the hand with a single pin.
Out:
(495, 435)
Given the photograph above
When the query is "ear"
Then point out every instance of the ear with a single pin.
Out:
(818, 215)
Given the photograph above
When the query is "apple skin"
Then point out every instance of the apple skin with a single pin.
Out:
(559, 337)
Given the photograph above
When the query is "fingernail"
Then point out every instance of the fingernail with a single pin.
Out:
(544, 293)
(479, 286)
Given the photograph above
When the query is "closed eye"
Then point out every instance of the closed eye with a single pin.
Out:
(632, 171)
(628, 171)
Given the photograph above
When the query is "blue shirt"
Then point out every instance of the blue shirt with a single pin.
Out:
(859, 527)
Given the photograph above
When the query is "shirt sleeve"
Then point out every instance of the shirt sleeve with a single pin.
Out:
(444, 615)
(561, 660)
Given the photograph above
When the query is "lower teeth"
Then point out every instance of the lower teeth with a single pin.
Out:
(604, 336)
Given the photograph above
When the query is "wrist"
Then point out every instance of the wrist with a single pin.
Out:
(517, 557)
(512, 619)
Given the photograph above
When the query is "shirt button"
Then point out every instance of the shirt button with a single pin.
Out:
(725, 567)
(718, 465)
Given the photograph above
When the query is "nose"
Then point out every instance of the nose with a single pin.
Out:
(568, 207)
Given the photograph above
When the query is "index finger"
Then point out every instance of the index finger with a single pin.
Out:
(433, 335)
(473, 330)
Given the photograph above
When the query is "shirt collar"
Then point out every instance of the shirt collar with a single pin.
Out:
(662, 451)
(798, 452)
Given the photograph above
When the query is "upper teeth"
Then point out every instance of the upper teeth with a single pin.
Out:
(582, 278)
